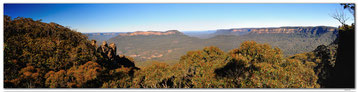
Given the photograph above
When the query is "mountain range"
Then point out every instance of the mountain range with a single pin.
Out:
(171, 44)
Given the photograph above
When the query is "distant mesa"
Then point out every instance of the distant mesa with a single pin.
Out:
(169, 32)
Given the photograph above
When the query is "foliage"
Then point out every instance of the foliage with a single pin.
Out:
(195, 70)
(350, 7)
(120, 78)
(80, 76)
(200, 65)
(39, 54)
(56, 79)
(156, 75)
(43, 46)
(259, 66)
(30, 77)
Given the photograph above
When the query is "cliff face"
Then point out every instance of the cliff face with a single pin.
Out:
(280, 30)
(170, 32)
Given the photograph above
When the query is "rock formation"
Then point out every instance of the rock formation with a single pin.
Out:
(93, 43)
(108, 52)
(325, 67)
(112, 50)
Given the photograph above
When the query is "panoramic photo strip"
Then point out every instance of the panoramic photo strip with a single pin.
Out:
(179, 45)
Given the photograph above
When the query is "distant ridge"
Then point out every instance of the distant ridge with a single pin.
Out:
(102, 33)
(169, 32)
(168, 45)
(101, 36)
(276, 30)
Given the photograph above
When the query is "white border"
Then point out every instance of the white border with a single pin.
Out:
(166, 1)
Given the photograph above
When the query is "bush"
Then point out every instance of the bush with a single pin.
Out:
(256, 65)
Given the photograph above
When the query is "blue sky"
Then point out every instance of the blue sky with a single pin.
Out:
(183, 17)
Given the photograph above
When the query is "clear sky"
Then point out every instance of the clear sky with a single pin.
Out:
(183, 17)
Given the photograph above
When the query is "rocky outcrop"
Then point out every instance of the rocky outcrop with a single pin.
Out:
(93, 43)
(170, 32)
(325, 67)
(108, 52)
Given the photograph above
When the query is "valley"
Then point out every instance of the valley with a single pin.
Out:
(170, 45)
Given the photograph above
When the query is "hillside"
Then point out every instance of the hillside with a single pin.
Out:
(167, 47)
(43, 55)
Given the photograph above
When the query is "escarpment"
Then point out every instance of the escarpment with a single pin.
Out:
(278, 30)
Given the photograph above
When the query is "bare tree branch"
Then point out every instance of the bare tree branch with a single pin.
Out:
(340, 16)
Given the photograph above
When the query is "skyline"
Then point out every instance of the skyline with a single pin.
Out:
(87, 18)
